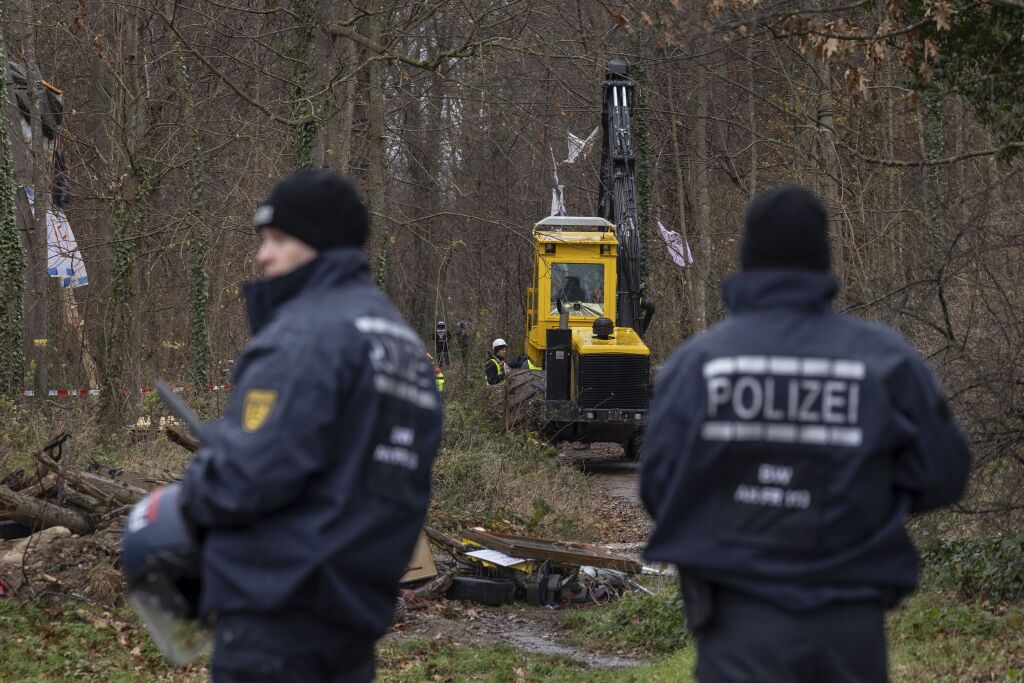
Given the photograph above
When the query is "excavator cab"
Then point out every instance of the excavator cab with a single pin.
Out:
(596, 375)
(575, 265)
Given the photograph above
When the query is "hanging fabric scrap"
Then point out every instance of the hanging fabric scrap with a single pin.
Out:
(678, 248)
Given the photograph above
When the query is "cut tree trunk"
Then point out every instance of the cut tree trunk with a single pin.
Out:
(95, 486)
(189, 443)
(38, 514)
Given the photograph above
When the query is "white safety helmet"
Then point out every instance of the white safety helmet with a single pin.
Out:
(497, 344)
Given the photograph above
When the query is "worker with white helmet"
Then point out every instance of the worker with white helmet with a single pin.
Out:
(497, 367)
(498, 363)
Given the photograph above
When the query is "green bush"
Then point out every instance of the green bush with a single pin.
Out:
(649, 623)
(978, 569)
(504, 481)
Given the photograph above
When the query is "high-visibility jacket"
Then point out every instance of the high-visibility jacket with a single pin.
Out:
(439, 376)
(495, 371)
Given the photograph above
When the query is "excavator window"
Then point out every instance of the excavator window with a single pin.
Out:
(578, 283)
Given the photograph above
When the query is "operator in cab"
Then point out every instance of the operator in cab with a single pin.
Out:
(785, 448)
(310, 492)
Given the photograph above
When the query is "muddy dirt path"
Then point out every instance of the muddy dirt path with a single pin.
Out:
(527, 629)
(615, 483)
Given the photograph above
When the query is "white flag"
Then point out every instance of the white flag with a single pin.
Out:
(678, 248)
(63, 260)
(578, 146)
(557, 196)
(557, 201)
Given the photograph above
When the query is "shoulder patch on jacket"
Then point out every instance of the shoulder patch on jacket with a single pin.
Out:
(256, 408)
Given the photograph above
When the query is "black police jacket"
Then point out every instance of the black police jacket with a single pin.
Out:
(313, 487)
(786, 445)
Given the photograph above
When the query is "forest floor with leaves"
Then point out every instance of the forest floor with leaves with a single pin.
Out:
(67, 619)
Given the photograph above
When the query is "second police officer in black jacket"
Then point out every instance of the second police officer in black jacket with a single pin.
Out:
(310, 492)
(785, 448)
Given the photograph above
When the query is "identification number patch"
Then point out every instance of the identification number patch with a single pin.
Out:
(771, 500)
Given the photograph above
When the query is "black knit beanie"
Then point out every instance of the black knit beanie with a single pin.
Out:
(319, 207)
(785, 227)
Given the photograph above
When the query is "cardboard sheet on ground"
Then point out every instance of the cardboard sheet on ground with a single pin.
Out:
(496, 557)
(421, 566)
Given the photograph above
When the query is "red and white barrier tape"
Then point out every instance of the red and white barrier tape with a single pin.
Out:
(96, 392)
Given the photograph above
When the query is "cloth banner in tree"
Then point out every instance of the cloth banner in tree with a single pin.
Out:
(579, 147)
(678, 248)
(63, 260)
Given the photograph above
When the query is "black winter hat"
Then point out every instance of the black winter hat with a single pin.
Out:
(319, 207)
(785, 227)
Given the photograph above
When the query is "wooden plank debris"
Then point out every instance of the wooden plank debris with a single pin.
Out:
(559, 552)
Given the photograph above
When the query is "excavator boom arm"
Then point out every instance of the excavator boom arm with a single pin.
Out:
(617, 200)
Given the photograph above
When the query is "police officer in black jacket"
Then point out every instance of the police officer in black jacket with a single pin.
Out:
(310, 492)
(785, 448)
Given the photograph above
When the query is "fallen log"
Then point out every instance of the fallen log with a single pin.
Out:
(175, 435)
(70, 479)
(83, 500)
(49, 487)
(39, 514)
(101, 489)
(41, 488)
(126, 494)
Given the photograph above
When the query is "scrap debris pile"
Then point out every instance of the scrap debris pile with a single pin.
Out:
(495, 569)
(60, 532)
(60, 527)
(56, 495)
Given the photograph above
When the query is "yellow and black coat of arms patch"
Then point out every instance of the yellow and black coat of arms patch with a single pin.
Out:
(257, 406)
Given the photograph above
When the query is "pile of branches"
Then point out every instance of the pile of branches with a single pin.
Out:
(57, 495)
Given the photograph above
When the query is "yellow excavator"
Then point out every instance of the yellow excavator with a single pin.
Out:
(586, 311)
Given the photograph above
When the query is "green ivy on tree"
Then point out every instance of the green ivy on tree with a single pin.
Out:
(976, 50)
(304, 110)
(642, 145)
(12, 258)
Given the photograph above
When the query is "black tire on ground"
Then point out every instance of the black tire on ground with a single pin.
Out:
(494, 592)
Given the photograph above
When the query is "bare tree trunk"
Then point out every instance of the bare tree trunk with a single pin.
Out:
(198, 278)
(689, 278)
(379, 246)
(700, 180)
(76, 325)
(963, 212)
(828, 166)
(347, 116)
(120, 379)
(752, 117)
